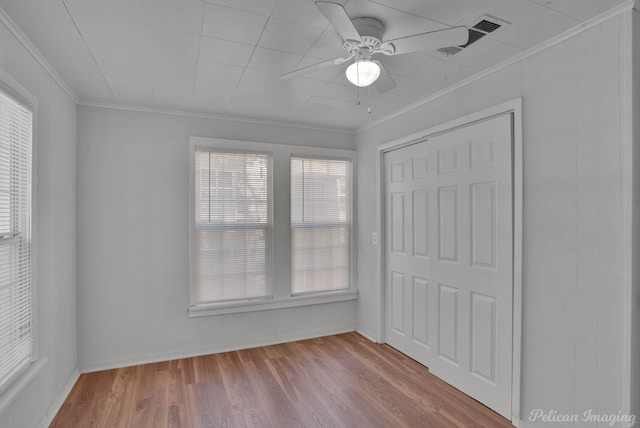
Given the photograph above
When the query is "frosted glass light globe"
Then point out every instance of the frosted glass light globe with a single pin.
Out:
(363, 72)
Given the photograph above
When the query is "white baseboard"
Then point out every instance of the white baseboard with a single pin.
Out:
(167, 356)
(52, 411)
(367, 335)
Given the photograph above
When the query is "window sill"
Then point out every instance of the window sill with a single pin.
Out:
(270, 304)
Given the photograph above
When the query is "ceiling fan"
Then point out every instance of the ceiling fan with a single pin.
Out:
(363, 37)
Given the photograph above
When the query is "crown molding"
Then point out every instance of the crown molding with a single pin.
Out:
(26, 43)
(597, 20)
(217, 117)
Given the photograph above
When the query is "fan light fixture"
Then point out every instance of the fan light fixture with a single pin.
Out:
(363, 37)
(363, 72)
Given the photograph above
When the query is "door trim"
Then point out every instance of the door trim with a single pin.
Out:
(513, 108)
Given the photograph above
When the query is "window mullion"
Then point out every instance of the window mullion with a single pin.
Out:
(281, 227)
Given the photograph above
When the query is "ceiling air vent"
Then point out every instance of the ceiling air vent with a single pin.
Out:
(485, 25)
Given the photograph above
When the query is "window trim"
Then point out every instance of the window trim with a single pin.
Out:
(274, 303)
(23, 378)
(282, 296)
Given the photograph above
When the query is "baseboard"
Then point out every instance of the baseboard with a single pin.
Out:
(52, 411)
(367, 335)
(167, 356)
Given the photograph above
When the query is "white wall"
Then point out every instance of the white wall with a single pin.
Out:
(55, 216)
(133, 275)
(573, 336)
(635, 296)
(132, 245)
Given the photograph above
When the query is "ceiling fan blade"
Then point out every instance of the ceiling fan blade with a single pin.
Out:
(338, 17)
(432, 40)
(314, 67)
(385, 82)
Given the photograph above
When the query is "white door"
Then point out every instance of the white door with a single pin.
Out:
(449, 257)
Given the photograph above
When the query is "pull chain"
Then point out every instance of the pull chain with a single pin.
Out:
(358, 97)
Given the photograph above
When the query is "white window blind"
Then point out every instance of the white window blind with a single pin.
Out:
(17, 344)
(233, 226)
(320, 224)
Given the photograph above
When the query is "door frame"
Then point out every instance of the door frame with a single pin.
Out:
(514, 108)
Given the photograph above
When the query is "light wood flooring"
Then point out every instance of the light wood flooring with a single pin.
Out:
(336, 381)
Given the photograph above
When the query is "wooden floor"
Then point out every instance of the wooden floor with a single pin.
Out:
(336, 381)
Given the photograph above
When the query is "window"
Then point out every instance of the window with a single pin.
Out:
(320, 224)
(270, 226)
(17, 344)
(233, 226)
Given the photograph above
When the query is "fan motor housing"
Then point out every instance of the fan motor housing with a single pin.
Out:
(371, 31)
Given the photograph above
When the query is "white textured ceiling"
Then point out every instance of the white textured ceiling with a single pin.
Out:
(224, 56)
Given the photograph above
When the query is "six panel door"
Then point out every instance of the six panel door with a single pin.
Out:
(449, 257)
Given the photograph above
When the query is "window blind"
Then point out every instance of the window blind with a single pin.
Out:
(233, 226)
(320, 224)
(17, 344)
